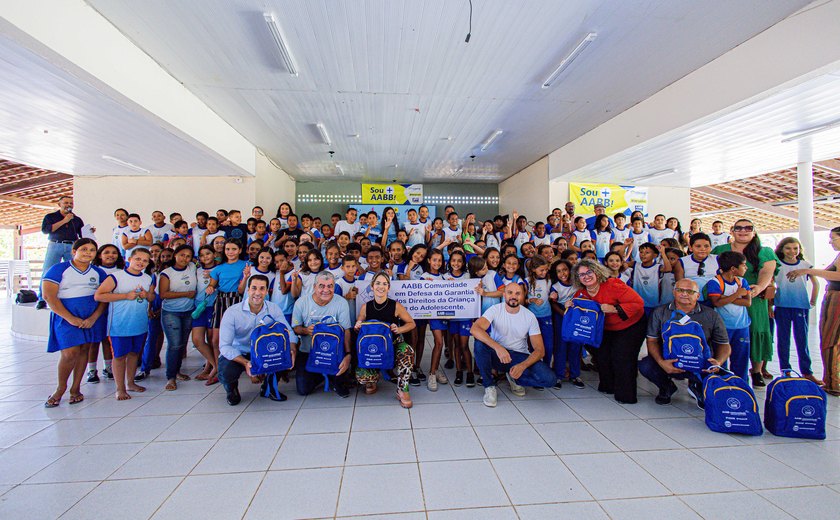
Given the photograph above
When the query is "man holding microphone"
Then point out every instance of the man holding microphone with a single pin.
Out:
(63, 228)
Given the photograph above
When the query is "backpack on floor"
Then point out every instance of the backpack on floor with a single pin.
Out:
(795, 407)
(375, 346)
(271, 350)
(683, 339)
(327, 350)
(730, 405)
(583, 323)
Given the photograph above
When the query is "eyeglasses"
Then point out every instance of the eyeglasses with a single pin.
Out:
(701, 268)
(742, 228)
(680, 290)
(585, 274)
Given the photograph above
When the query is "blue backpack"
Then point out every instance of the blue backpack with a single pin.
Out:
(327, 350)
(683, 339)
(730, 405)
(375, 346)
(270, 349)
(795, 407)
(583, 323)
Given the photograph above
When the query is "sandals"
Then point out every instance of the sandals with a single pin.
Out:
(52, 402)
(370, 388)
(76, 399)
(182, 377)
(211, 381)
(404, 398)
(170, 386)
(202, 377)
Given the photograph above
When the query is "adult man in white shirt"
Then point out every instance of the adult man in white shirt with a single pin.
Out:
(506, 347)
(349, 224)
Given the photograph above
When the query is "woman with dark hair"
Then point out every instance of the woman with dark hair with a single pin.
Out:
(389, 227)
(624, 328)
(384, 309)
(829, 316)
(77, 321)
(283, 212)
(761, 268)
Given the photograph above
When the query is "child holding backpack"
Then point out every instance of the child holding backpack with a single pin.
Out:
(792, 306)
(729, 293)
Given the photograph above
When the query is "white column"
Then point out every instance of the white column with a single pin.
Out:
(805, 190)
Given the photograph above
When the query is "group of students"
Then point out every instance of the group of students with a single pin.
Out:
(177, 279)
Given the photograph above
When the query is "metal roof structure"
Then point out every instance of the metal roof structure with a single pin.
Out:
(770, 200)
(27, 193)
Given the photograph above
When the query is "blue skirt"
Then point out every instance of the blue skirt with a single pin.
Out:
(64, 335)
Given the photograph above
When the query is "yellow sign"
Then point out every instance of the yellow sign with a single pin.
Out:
(392, 194)
(615, 198)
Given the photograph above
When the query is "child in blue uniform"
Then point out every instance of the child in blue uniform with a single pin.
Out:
(730, 295)
(77, 321)
(129, 293)
(460, 329)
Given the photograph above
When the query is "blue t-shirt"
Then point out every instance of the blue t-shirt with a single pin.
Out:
(540, 289)
(307, 312)
(129, 317)
(228, 275)
(735, 317)
(792, 295)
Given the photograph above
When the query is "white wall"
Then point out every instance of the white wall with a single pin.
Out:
(526, 192)
(273, 186)
(96, 198)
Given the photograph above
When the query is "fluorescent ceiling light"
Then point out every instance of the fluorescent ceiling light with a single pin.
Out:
(324, 135)
(277, 34)
(489, 142)
(567, 61)
(339, 168)
(125, 164)
(799, 134)
(655, 175)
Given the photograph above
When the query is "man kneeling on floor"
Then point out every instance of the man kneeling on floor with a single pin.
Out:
(505, 348)
(238, 322)
(661, 371)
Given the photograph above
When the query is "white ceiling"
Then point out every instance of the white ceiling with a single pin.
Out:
(398, 73)
(740, 143)
(52, 119)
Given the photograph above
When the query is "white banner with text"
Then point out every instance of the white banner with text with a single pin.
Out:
(430, 299)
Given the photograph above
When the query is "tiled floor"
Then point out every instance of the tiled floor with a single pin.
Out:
(552, 454)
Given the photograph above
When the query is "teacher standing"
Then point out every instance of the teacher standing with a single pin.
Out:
(63, 228)
(761, 268)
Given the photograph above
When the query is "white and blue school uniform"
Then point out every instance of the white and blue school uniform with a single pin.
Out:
(666, 287)
(621, 235)
(116, 237)
(541, 289)
(580, 236)
(459, 327)
(416, 273)
(602, 240)
(208, 239)
(490, 240)
(128, 320)
(129, 234)
(645, 281)
(307, 282)
(416, 234)
(295, 261)
(342, 287)
(195, 236)
(658, 235)
(75, 290)
(180, 280)
(700, 271)
(737, 321)
(435, 324)
(159, 233)
(564, 351)
(519, 238)
(337, 272)
(488, 282)
(286, 301)
(202, 281)
(544, 240)
(398, 270)
(501, 280)
(719, 240)
(638, 240)
(793, 304)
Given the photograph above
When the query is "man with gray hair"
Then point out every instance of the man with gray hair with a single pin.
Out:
(309, 310)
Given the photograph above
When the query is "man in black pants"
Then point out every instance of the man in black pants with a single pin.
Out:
(661, 371)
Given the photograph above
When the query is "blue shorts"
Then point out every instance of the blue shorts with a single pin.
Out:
(205, 320)
(438, 325)
(124, 345)
(460, 327)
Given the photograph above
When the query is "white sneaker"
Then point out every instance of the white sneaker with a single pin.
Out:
(441, 377)
(490, 396)
(518, 391)
(431, 383)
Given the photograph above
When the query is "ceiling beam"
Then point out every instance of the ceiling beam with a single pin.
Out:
(35, 182)
(27, 202)
(769, 208)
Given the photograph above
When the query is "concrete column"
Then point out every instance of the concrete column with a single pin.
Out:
(805, 190)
